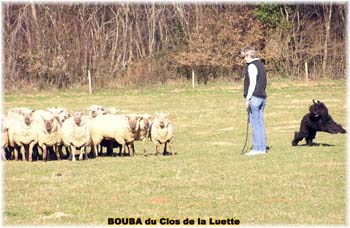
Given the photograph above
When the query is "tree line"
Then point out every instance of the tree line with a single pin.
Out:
(58, 45)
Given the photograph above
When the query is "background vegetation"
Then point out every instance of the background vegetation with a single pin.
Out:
(55, 45)
(207, 177)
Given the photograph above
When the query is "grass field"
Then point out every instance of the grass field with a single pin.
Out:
(208, 178)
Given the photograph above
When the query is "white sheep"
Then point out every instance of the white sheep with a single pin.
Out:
(162, 132)
(95, 110)
(60, 113)
(21, 132)
(143, 131)
(48, 131)
(112, 110)
(121, 128)
(75, 133)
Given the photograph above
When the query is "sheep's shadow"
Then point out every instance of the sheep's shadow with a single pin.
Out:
(162, 154)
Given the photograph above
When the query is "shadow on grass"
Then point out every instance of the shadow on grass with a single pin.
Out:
(317, 144)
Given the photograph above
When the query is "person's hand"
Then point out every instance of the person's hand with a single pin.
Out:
(247, 103)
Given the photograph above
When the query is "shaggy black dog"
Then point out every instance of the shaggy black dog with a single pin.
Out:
(317, 120)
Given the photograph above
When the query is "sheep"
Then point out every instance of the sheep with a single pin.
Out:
(48, 131)
(162, 132)
(75, 133)
(121, 128)
(60, 113)
(95, 110)
(112, 110)
(21, 132)
(143, 132)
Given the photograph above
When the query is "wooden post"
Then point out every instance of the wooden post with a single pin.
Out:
(192, 78)
(306, 73)
(89, 77)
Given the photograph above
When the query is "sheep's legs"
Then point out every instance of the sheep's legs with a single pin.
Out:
(157, 148)
(144, 147)
(131, 149)
(23, 152)
(73, 153)
(30, 151)
(57, 151)
(122, 151)
(95, 150)
(170, 148)
(3, 156)
(44, 152)
(82, 153)
(16, 151)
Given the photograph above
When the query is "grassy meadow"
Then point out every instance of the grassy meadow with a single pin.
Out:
(208, 178)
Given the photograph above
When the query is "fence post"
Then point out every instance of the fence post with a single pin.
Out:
(193, 78)
(89, 77)
(306, 73)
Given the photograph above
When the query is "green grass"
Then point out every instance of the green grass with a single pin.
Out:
(207, 178)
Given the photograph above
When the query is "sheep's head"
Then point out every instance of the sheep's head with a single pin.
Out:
(77, 116)
(162, 119)
(60, 113)
(27, 114)
(133, 121)
(95, 110)
(146, 121)
(112, 110)
(48, 123)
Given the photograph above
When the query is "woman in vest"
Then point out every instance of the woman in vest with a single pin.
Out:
(255, 95)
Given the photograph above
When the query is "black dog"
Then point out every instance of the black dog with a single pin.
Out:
(317, 120)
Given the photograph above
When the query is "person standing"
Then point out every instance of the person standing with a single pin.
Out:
(255, 97)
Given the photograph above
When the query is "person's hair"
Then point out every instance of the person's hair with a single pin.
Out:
(248, 51)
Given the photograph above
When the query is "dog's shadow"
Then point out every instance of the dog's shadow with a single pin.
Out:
(317, 144)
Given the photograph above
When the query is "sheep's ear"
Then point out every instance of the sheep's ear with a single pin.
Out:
(318, 101)
(313, 100)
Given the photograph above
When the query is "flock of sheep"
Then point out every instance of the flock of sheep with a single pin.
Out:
(40, 132)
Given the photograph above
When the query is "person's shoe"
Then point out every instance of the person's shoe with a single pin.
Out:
(261, 151)
(255, 152)
(252, 153)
